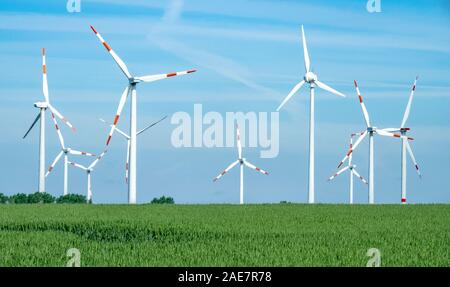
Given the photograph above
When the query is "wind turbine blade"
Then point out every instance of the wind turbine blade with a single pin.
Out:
(144, 129)
(61, 117)
(152, 78)
(411, 154)
(238, 140)
(248, 164)
(363, 106)
(32, 125)
(94, 163)
(123, 98)
(408, 106)
(127, 161)
(350, 151)
(392, 130)
(75, 152)
(338, 173)
(328, 88)
(359, 176)
(44, 77)
(291, 93)
(116, 58)
(54, 163)
(77, 165)
(305, 52)
(58, 131)
(116, 128)
(382, 132)
(226, 170)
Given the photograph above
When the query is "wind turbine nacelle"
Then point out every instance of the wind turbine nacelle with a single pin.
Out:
(41, 105)
(310, 77)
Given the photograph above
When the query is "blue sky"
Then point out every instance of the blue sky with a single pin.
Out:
(249, 56)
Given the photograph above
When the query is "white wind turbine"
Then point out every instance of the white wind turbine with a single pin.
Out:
(405, 144)
(371, 130)
(131, 89)
(42, 106)
(241, 161)
(127, 137)
(312, 80)
(64, 151)
(351, 169)
(89, 170)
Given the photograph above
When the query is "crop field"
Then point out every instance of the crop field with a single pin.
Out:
(224, 235)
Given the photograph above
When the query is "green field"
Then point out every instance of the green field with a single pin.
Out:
(224, 235)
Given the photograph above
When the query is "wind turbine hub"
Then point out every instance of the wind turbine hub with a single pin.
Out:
(310, 77)
(41, 105)
(371, 129)
(241, 160)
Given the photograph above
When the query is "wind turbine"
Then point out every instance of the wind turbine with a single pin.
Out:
(89, 170)
(131, 89)
(42, 106)
(351, 169)
(371, 131)
(64, 151)
(405, 144)
(241, 161)
(127, 137)
(312, 80)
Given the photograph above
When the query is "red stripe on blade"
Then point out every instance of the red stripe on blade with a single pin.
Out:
(93, 29)
(109, 139)
(171, 74)
(116, 119)
(107, 46)
(360, 99)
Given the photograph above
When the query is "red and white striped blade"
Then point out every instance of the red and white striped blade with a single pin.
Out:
(338, 173)
(152, 78)
(363, 106)
(94, 163)
(76, 152)
(291, 93)
(55, 161)
(359, 176)
(413, 158)
(123, 98)
(408, 106)
(77, 165)
(226, 170)
(248, 164)
(356, 134)
(238, 140)
(44, 77)
(382, 132)
(328, 88)
(61, 117)
(58, 131)
(127, 161)
(116, 58)
(350, 151)
(117, 129)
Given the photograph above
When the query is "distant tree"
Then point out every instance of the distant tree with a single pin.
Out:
(41, 197)
(284, 202)
(19, 198)
(71, 198)
(3, 198)
(163, 200)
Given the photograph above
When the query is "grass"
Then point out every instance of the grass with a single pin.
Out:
(225, 235)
